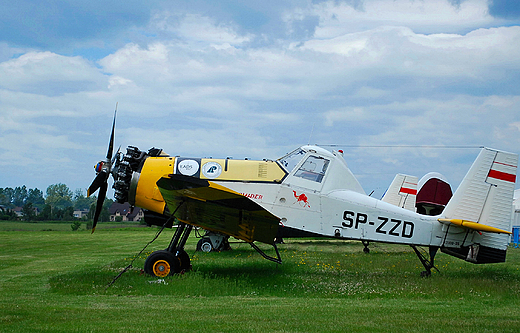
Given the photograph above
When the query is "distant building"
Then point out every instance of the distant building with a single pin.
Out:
(124, 210)
(79, 214)
(18, 211)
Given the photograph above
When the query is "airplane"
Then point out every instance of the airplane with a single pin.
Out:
(310, 192)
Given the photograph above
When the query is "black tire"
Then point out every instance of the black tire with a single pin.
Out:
(204, 245)
(184, 261)
(199, 243)
(161, 263)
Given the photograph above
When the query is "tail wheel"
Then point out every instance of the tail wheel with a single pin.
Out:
(161, 264)
(204, 245)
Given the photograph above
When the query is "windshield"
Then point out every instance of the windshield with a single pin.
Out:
(313, 168)
(290, 160)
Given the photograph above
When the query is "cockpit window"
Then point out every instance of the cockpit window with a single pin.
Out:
(290, 160)
(313, 168)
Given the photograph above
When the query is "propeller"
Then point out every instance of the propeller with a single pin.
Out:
(103, 169)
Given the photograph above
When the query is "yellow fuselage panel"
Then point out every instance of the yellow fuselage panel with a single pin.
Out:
(147, 194)
(241, 170)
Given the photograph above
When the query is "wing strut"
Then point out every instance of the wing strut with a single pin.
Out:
(277, 260)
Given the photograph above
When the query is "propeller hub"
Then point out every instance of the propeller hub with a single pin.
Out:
(99, 166)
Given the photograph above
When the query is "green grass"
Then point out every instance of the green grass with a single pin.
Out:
(56, 281)
(58, 225)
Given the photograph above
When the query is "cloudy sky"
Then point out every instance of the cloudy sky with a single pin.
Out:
(257, 79)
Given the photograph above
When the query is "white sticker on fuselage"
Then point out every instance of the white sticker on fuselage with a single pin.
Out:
(188, 167)
(211, 170)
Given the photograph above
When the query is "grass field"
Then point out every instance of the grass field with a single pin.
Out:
(56, 281)
(57, 226)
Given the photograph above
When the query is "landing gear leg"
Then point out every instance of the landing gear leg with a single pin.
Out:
(174, 259)
(428, 264)
(365, 244)
(177, 246)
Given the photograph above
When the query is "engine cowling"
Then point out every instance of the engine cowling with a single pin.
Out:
(136, 174)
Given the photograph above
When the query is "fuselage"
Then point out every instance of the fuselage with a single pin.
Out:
(310, 190)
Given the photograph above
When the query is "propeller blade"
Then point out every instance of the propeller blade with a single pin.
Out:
(115, 156)
(101, 180)
(111, 143)
(99, 204)
(96, 183)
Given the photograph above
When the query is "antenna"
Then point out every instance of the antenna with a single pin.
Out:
(402, 146)
(310, 136)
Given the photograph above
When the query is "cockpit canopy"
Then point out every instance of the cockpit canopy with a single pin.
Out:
(292, 159)
(318, 169)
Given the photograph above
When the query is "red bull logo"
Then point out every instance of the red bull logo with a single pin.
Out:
(302, 199)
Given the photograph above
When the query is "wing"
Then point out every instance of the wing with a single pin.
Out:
(218, 208)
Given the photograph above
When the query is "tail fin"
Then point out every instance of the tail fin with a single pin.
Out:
(402, 192)
(485, 197)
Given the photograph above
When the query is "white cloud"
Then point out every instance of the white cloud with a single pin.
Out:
(117, 81)
(338, 18)
(461, 120)
(346, 115)
(49, 73)
(370, 76)
(482, 57)
(131, 58)
(22, 141)
(194, 28)
(7, 52)
(203, 142)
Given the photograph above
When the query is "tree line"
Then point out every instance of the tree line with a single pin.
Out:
(58, 204)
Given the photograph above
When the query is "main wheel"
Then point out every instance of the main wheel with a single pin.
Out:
(161, 264)
(204, 245)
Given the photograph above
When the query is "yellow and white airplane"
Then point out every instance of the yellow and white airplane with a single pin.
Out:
(308, 192)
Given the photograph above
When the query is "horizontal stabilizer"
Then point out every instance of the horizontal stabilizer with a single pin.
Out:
(474, 226)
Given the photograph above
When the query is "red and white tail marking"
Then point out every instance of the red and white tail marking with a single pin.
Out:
(408, 188)
(402, 192)
(502, 171)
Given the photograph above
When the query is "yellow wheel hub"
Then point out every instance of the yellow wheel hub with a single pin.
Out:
(161, 268)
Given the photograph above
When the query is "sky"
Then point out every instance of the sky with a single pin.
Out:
(383, 80)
